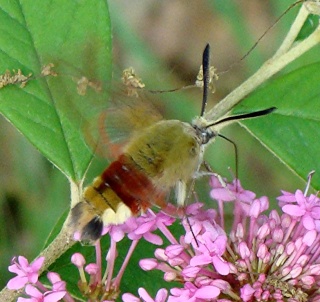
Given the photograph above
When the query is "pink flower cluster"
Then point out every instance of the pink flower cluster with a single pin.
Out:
(265, 256)
(28, 278)
(195, 259)
(106, 286)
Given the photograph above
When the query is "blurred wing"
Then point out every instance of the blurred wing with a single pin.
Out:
(122, 117)
(107, 113)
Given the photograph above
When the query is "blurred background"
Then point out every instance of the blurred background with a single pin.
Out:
(163, 41)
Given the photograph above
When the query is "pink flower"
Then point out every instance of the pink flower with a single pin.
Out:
(26, 273)
(144, 296)
(144, 226)
(116, 232)
(247, 292)
(230, 192)
(57, 284)
(78, 260)
(37, 296)
(209, 253)
(307, 209)
(190, 292)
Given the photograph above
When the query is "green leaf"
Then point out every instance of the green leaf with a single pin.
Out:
(291, 132)
(309, 26)
(76, 37)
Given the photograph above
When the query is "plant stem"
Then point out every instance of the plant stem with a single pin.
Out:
(293, 32)
(271, 67)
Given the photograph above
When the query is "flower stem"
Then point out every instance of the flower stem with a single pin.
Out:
(117, 280)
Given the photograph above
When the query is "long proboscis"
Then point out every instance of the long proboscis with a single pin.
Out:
(243, 116)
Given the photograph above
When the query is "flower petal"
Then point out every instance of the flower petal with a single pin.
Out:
(127, 297)
(161, 295)
(17, 282)
(221, 266)
(153, 238)
(37, 264)
(144, 295)
(33, 291)
(207, 292)
(293, 210)
(54, 296)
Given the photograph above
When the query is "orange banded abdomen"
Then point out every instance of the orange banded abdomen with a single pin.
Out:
(121, 191)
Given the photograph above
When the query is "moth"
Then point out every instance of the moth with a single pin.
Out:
(159, 156)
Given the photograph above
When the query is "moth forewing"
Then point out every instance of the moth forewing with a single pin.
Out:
(122, 117)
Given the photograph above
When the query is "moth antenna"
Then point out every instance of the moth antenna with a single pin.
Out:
(206, 77)
(243, 116)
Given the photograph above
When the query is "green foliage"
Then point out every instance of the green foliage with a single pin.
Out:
(291, 134)
(51, 35)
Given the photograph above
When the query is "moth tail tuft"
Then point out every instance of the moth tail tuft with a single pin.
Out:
(92, 230)
(85, 220)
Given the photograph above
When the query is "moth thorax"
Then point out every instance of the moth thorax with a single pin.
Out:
(204, 133)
